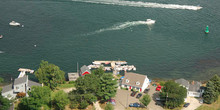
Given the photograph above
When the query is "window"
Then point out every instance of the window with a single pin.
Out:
(127, 81)
(137, 83)
(17, 88)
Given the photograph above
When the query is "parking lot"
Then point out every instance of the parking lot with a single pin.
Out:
(154, 105)
(123, 99)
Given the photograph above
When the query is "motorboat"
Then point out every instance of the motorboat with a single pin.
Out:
(1, 36)
(150, 21)
(13, 23)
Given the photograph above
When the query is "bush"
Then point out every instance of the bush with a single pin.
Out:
(145, 100)
(83, 104)
(71, 82)
(109, 107)
(73, 105)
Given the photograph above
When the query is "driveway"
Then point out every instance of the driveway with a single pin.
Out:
(194, 103)
(154, 94)
(123, 99)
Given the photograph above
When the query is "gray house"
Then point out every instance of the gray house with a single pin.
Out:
(73, 76)
(21, 84)
(193, 90)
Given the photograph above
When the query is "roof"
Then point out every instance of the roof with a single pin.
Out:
(195, 87)
(182, 82)
(73, 76)
(85, 68)
(131, 79)
(32, 83)
(20, 80)
(7, 88)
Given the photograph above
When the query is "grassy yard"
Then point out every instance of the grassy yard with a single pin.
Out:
(66, 85)
(214, 106)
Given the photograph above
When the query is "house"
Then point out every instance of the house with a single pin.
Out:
(194, 89)
(135, 81)
(21, 84)
(84, 70)
(73, 76)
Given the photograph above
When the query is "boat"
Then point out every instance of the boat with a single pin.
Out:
(207, 29)
(13, 23)
(150, 21)
(1, 36)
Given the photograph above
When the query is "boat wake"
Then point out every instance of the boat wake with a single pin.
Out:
(2, 52)
(119, 26)
(140, 4)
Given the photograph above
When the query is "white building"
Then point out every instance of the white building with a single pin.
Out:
(135, 81)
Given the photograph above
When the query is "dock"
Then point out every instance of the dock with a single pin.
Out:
(23, 71)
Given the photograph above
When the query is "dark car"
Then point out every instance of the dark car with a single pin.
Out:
(134, 105)
(146, 90)
(133, 93)
(186, 105)
(139, 95)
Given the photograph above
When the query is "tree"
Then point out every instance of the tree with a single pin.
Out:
(107, 87)
(173, 94)
(109, 107)
(50, 74)
(83, 104)
(42, 94)
(1, 80)
(29, 104)
(145, 100)
(60, 100)
(210, 95)
(216, 82)
(4, 103)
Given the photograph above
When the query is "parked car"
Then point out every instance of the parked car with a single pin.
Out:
(133, 93)
(139, 95)
(146, 90)
(136, 105)
(186, 105)
(112, 101)
(158, 88)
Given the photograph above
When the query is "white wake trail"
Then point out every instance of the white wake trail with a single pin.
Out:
(1, 52)
(141, 4)
(119, 26)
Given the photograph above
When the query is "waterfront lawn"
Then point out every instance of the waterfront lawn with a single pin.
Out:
(214, 106)
(66, 85)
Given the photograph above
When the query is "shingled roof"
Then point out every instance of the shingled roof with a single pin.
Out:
(182, 82)
(7, 88)
(84, 68)
(20, 80)
(131, 79)
(32, 83)
(195, 87)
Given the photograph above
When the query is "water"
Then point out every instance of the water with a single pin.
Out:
(66, 32)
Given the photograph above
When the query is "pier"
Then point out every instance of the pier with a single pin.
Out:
(115, 66)
(23, 71)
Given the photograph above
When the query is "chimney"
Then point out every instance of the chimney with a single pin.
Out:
(193, 82)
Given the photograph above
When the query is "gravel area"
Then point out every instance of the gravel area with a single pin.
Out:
(194, 103)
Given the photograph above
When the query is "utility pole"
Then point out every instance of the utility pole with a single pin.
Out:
(77, 68)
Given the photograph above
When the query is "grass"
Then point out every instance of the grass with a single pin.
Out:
(67, 85)
(214, 106)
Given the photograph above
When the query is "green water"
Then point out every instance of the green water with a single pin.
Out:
(67, 32)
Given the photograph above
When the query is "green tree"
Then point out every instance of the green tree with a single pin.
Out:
(216, 82)
(145, 100)
(107, 87)
(42, 94)
(109, 107)
(173, 94)
(29, 104)
(83, 104)
(4, 103)
(210, 95)
(60, 100)
(1, 80)
(50, 74)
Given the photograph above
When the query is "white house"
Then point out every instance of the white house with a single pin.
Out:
(135, 81)
(193, 90)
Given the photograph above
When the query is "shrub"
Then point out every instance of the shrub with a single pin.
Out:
(145, 100)
(73, 105)
(109, 107)
(83, 104)
(71, 82)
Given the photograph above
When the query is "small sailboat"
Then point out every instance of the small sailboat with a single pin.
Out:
(207, 29)
(13, 23)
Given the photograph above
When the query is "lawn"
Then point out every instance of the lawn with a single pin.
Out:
(66, 85)
(214, 106)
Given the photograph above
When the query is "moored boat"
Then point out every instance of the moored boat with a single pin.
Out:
(150, 21)
(13, 23)
(1, 36)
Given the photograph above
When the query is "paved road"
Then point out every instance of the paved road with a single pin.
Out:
(123, 99)
(194, 103)
(153, 93)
